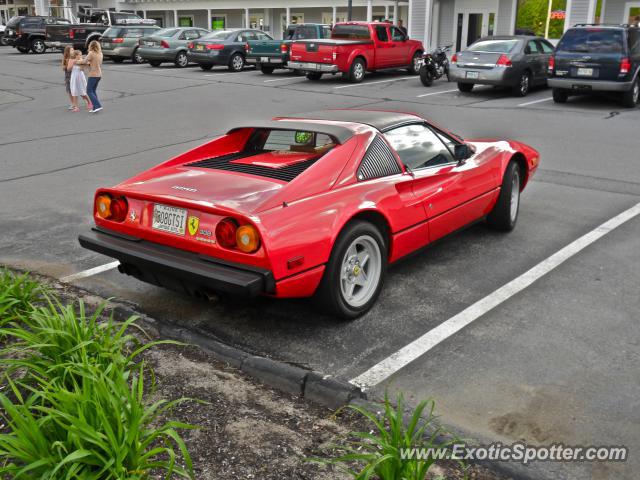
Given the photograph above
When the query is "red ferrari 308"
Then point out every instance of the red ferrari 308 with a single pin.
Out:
(312, 205)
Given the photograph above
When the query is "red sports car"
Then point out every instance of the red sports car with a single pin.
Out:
(312, 205)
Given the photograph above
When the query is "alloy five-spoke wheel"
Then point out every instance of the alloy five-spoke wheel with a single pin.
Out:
(355, 272)
(237, 62)
(524, 85)
(181, 60)
(38, 46)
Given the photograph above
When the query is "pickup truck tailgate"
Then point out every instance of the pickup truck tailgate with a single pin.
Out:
(320, 51)
(265, 47)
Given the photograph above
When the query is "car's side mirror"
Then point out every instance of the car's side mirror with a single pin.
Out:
(462, 151)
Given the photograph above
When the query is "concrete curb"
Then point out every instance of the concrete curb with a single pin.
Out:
(322, 389)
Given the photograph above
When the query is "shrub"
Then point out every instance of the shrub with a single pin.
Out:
(17, 295)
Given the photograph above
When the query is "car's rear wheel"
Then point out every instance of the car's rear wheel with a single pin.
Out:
(355, 273)
(504, 214)
(38, 46)
(154, 63)
(206, 66)
(267, 70)
(465, 87)
(630, 98)
(314, 75)
(23, 49)
(416, 62)
(357, 71)
(236, 62)
(523, 86)
(136, 57)
(181, 60)
(560, 95)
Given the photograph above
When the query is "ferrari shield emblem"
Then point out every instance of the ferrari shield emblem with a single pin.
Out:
(193, 223)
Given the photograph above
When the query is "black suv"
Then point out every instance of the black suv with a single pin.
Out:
(591, 58)
(28, 32)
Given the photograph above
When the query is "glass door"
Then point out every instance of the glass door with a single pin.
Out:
(472, 25)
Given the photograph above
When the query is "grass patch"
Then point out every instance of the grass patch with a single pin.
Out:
(77, 404)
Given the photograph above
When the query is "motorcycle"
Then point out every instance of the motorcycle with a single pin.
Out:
(434, 65)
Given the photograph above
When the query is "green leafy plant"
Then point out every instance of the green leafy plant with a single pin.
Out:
(17, 295)
(381, 453)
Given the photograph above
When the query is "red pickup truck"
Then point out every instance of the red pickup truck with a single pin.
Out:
(355, 48)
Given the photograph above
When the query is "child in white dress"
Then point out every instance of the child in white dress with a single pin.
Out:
(78, 82)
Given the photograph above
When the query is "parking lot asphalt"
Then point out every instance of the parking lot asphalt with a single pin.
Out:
(556, 362)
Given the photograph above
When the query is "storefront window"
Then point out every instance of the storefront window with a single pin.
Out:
(218, 23)
(185, 21)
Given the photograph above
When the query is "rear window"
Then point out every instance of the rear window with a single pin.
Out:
(591, 40)
(13, 22)
(305, 32)
(293, 141)
(166, 32)
(219, 34)
(351, 32)
(111, 32)
(494, 46)
(137, 32)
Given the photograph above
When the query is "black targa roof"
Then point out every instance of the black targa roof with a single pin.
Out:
(374, 118)
(340, 133)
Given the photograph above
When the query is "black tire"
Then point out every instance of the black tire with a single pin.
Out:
(117, 59)
(560, 95)
(266, 69)
(314, 76)
(136, 58)
(38, 46)
(503, 217)
(181, 59)
(465, 87)
(357, 70)
(426, 76)
(206, 66)
(414, 69)
(155, 63)
(524, 85)
(630, 98)
(22, 49)
(329, 295)
(236, 62)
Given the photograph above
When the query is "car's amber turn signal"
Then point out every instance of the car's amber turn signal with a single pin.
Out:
(247, 238)
(103, 206)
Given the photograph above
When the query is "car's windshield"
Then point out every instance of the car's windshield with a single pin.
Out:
(494, 46)
(219, 34)
(166, 32)
(111, 32)
(591, 40)
(351, 32)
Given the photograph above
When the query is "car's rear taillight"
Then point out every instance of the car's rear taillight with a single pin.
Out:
(190, 45)
(226, 233)
(247, 47)
(164, 44)
(625, 66)
(284, 48)
(552, 63)
(215, 46)
(503, 61)
(117, 40)
(109, 208)
(72, 33)
(454, 58)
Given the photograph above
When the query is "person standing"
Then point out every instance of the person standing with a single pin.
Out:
(77, 82)
(402, 28)
(94, 60)
(66, 57)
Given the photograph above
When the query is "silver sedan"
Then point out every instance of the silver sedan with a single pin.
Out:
(169, 45)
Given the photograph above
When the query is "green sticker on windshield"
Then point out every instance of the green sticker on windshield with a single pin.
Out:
(303, 137)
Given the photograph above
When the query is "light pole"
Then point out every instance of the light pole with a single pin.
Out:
(546, 27)
(349, 10)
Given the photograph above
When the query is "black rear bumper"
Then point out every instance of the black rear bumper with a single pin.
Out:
(177, 269)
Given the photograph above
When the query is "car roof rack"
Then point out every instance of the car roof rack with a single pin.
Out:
(623, 25)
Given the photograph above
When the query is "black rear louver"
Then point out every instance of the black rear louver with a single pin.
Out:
(378, 161)
(285, 174)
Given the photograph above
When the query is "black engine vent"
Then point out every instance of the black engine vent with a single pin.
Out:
(285, 174)
(378, 161)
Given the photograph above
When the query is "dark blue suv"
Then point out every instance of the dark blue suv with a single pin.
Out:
(597, 58)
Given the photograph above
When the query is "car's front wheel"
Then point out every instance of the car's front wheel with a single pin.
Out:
(560, 95)
(355, 273)
(416, 62)
(181, 60)
(465, 87)
(630, 98)
(504, 214)
(38, 46)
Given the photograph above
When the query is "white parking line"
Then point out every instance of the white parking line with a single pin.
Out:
(437, 93)
(90, 272)
(373, 83)
(426, 342)
(535, 101)
(284, 78)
